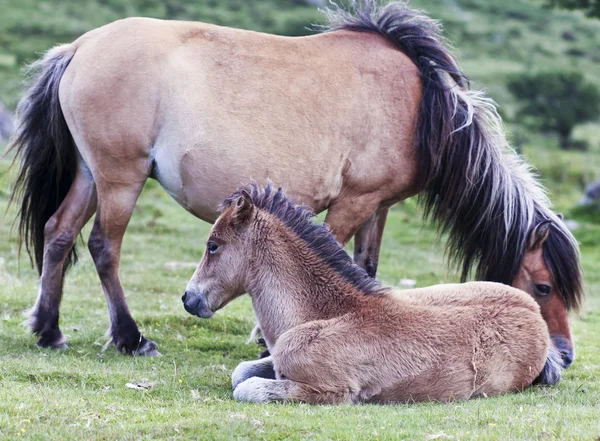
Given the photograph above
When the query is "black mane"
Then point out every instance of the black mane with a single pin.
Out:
(473, 184)
(562, 259)
(299, 219)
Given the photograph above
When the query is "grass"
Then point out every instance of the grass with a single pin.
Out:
(81, 393)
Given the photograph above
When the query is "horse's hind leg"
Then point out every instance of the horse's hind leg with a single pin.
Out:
(60, 234)
(116, 201)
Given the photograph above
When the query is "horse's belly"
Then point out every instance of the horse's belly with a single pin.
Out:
(201, 176)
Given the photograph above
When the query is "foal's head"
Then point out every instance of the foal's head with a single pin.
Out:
(254, 219)
(550, 273)
(221, 274)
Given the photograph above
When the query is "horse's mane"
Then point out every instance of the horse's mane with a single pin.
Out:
(474, 185)
(299, 219)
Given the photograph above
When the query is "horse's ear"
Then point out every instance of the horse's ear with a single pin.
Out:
(242, 207)
(539, 235)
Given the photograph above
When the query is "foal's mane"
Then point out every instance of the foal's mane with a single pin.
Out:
(299, 219)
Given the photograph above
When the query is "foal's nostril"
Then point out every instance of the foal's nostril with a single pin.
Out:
(184, 297)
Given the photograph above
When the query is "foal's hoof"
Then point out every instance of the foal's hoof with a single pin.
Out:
(143, 347)
(243, 371)
(254, 390)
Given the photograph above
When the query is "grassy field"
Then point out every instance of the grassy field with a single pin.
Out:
(81, 392)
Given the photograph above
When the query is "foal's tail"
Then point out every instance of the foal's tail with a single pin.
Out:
(473, 183)
(46, 151)
(552, 369)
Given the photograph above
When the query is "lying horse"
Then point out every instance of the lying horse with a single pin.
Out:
(336, 336)
(349, 121)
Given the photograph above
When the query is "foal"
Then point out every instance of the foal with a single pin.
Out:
(336, 336)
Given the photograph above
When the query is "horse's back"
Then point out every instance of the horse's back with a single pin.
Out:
(205, 102)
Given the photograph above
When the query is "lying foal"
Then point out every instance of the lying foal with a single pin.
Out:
(336, 336)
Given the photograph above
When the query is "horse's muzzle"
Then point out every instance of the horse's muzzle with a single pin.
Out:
(565, 347)
(196, 304)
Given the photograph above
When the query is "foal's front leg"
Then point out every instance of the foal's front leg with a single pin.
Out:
(263, 390)
(262, 368)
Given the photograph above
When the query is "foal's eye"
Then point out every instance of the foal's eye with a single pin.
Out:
(212, 247)
(542, 289)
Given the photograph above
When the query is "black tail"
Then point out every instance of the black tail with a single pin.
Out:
(473, 183)
(46, 151)
(550, 375)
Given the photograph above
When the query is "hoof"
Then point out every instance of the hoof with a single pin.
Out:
(141, 347)
(41, 343)
(262, 368)
(147, 349)
(53, 340)
(46, 328)
(242, 372)
(253, 390)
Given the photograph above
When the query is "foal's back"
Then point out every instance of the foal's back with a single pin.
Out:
(490, 339)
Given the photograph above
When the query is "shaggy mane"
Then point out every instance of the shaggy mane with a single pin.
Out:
(299, 219)
(473, 183)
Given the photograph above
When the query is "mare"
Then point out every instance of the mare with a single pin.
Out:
(352, 120)
(337, 336)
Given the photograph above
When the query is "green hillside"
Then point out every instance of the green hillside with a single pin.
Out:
(493, 39)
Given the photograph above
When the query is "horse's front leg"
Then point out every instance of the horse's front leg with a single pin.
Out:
(367, 241)
(262, 368)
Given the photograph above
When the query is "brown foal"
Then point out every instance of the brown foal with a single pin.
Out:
(336, 336)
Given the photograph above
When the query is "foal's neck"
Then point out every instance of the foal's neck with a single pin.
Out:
(291, 285)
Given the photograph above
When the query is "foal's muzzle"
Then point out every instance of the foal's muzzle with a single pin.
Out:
(196, 304)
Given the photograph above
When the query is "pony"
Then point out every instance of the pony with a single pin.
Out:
(337, 336)
(352, 120)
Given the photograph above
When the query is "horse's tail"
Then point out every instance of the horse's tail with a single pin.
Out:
(46, 151)
(472, 182)
(552, 369)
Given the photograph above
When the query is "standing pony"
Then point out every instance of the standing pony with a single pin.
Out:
(336, 336)
(351, 121)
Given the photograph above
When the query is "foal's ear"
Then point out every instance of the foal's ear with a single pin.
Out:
(539, 235)
(242, 207)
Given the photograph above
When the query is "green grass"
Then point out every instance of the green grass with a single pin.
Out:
(81, 393)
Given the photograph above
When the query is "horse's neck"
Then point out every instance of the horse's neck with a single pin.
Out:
(290, 296)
